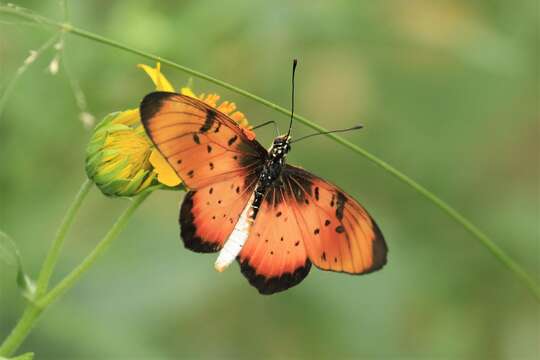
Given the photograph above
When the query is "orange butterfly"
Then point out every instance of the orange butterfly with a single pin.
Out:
(247, 203)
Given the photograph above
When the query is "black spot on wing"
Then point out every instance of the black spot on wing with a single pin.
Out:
(340, 204)
(208, 121)
(232, 140)
(188, 229)
(272, 285)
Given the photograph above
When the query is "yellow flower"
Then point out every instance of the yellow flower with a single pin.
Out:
(122, 161)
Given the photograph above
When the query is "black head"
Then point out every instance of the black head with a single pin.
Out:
(280, 147)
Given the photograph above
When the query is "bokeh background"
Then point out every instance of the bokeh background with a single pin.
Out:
(448, 93)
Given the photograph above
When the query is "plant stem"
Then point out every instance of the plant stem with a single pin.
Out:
(34, 310)
(74, 275)
(22, 69)
(504, 258)
(54, 252)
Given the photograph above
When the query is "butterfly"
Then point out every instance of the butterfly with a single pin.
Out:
(275, 219)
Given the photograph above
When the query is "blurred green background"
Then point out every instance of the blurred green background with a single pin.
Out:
(448, 93)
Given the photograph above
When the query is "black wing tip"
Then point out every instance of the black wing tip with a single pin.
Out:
(379, 250)
(151, 104)
(188, 229)
(269, 286)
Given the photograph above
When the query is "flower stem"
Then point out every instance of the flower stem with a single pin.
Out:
(34, 309)
(20, 331)
(504, 258)
(22, 69)
(74, 275)
(52, 256)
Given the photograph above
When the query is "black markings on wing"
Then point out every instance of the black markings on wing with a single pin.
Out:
(188, 230)
(268, 286)
(189, 218)
(208, 121)
(232, 140)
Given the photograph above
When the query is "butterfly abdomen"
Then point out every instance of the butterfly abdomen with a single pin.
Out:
(236, 240)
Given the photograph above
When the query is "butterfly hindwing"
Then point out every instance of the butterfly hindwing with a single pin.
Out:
(203, 145)
(304, 219)
(274, 257)
(338, 233)
(209, 214)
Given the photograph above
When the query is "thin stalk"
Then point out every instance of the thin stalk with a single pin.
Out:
(20, 331)
(54, 252)
(34, 309)
(22, 69)
(504, 258)
(87, 263)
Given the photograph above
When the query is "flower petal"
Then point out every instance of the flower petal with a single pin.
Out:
(188, 92)
(165, 173)
(161, 82)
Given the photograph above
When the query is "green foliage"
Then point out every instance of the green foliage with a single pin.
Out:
(26, 356)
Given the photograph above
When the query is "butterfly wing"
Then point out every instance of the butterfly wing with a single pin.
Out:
(338, 233)
(218, 160)
(304, 220)
(208, 215)
(203, 145)
(274, 257)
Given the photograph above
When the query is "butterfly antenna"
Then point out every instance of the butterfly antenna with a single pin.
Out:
(357, 127)
(295, 62)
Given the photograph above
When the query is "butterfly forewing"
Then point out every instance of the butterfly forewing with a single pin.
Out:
(203, 145)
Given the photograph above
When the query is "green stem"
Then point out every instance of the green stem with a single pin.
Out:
(34, 310)
(22, 69)
(74, 275)
(504, 258)
(54, 252)
(20, 331)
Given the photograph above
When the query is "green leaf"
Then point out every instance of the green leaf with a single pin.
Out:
(27, 356)
(9, 255)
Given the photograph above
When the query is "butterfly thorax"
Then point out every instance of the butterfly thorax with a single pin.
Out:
(271, 171)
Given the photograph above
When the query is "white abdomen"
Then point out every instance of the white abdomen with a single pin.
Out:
(235, 242)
